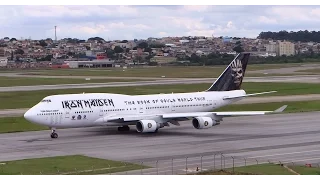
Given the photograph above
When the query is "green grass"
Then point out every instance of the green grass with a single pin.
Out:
(21, 81)
(264, 169)
(76, 164)
(282, 89)
(261, 169)
(302, 170)
(293, 107)
(18, 124)
(26, 99)
(168, 71)
(311, 71)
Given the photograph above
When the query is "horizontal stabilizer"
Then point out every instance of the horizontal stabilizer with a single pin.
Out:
(281, 109)
(247, 95)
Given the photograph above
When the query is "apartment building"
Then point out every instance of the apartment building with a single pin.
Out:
(280, 48)
(285, 48)
(2, 52)
(271, 47)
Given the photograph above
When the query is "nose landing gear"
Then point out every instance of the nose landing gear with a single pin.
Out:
(54, 135)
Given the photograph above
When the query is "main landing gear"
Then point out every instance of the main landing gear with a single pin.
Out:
(54, 135)
(124, 128)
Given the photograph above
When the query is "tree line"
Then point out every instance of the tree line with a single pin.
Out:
(302, 36)
(217, 58)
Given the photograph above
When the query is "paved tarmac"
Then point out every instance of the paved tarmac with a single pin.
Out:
(252, 139)
(300, 78)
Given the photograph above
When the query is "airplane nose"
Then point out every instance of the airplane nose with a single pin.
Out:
(28, 115)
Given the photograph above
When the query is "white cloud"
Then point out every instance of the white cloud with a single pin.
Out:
(198, 8)
(123, 22)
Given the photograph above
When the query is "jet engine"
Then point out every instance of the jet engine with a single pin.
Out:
(203, 122)
(145, 126)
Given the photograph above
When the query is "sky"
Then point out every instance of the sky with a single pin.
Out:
(113, 22)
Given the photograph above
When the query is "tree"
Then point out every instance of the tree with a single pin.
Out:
(95, 39)
(238, 48)
(42, 43)
(156, 45)
(137, 59)
(143, 45)
(19, 51)
(118, 49)
(148, 50)
(194, 58)
(110, 53)
(70, 53)
(13, 39)
(124, 41)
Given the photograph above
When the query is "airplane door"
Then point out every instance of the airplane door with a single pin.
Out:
(141, 109)
(212, 104)
(173, 107)
(101, 112)
(67, 113)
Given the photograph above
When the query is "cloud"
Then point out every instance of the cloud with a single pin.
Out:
(124, 22)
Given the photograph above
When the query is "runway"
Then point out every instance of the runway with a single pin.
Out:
(300, 78)
(250, 140)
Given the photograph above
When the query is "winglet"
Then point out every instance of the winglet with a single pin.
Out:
(281, 109)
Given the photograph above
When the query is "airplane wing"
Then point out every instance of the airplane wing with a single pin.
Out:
(247, 95)
(183, 116)
(224, 114)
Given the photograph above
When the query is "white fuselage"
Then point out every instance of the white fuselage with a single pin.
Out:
(83, 110)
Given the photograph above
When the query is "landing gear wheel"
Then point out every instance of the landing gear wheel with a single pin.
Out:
(124, 128)
(156, 131)
(54, 135)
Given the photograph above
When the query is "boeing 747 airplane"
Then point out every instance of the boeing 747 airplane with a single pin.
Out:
(147, 113)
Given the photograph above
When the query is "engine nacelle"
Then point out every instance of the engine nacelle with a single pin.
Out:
(203, 122)
(145, 126)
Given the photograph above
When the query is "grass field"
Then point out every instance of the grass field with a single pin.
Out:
(168, 71)
(14, 100)
(73, 165)
(306, 170)
(19, 124)
(261, 169)
(31, 81)
(311, 71)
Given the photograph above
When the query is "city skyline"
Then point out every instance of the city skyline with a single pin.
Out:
(140, 22)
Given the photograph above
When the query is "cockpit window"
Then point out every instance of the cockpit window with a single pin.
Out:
(46, 100)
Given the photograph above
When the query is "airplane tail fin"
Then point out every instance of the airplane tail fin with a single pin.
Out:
(232, 76)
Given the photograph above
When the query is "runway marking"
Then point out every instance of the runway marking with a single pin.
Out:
(284, 153)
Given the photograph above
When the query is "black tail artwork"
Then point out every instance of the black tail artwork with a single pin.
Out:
(232, 76)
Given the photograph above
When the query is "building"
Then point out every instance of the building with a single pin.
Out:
(285, 48)
(271, 47)
(3, 61)
(163, 59)
(2, 52)
(226, 39)
(90, 64)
